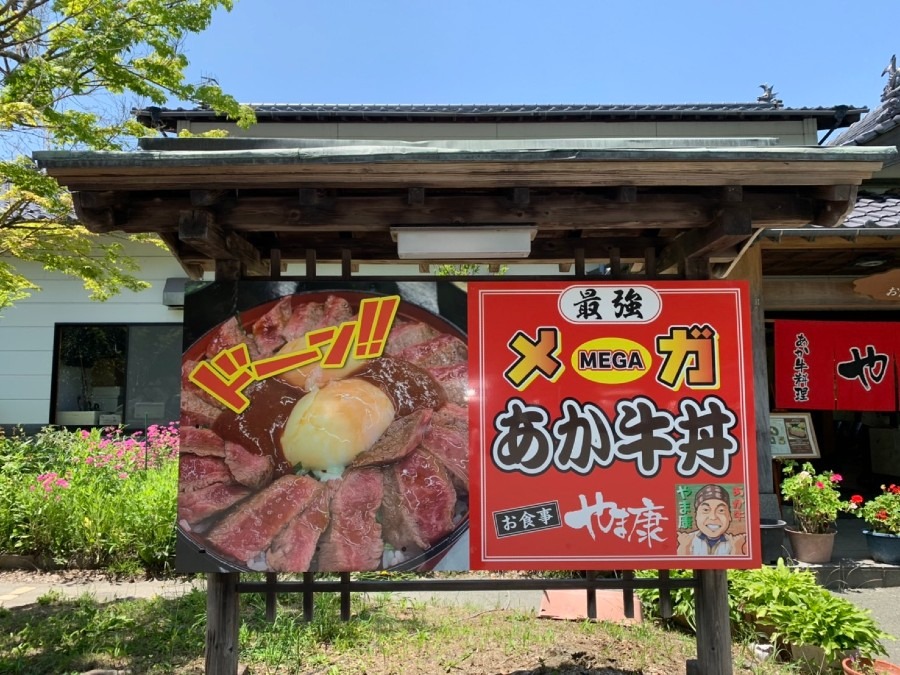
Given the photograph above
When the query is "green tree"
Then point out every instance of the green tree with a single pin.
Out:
(68, 68)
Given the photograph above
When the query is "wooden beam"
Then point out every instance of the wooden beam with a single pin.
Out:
(521, 197)
(201, 198)
(731, 227)
(626, 194)
(198, 229)
(308, 197)
(643, 169)
(415, 196)
(367, 213)
(818, 293)
(193, 271)
(833, 213)
(97, 219)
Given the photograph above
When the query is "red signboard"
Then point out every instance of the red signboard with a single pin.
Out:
(836, 365)
(612, 426)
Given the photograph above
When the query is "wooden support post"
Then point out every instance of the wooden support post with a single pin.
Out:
(308, 597)
(271, 597)
(579, 263)
(310, 264)
(749, 267)
(222, 623)
(275, 263)
(591, 597)
(345, 596)
(628, 594)
(222, 600)
(713, 626)
(665, 596)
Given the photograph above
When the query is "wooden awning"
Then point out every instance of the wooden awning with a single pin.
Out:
(648, 200)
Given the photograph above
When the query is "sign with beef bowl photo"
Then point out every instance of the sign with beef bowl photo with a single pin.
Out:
(324, 427)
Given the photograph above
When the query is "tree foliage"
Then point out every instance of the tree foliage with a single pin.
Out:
(67, 68)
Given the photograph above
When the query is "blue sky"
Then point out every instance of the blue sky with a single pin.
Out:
(821, 53)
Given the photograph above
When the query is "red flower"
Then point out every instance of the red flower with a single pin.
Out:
(882, 515)
(857, 499)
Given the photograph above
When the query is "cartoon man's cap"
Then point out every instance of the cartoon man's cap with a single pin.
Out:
(708, 492)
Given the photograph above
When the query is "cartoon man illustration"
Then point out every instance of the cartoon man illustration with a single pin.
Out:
(712, 516)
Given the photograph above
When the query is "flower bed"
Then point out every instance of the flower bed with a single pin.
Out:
(97, 498)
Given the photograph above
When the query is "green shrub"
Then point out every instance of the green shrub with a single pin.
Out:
(785, 603)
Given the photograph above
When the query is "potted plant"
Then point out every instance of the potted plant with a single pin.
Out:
(816, 502)
(882, 515)
(862, 665)
(823, 629)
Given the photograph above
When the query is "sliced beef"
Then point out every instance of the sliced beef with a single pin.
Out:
(250, 469)
(196, 506)
(399, 439)
(398, 522)
(268, 330)
(448, 440)
(407, 334)
(293, 548)
(336, 311)
(455, 381)
(227, 335)
(198, 441)
(197, 407)
(195, 411)
(427, 494)
(248, 530)
(353, 540)
(195, 472)
(444, 350)
(303, 319)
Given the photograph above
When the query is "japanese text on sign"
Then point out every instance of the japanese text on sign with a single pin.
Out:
(231, 371)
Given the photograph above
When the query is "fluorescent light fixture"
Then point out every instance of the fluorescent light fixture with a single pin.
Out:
(463, 242)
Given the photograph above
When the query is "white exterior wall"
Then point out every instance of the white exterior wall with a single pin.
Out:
(26, 330)
(788, 132)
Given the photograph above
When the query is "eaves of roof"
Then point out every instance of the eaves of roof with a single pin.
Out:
(826, 117)
(880, 121)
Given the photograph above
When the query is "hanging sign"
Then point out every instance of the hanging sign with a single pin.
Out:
(612, 426)
(836, 365)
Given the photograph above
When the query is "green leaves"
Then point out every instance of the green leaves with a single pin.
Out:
(65, 68)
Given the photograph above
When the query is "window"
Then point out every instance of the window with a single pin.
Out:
(117, 374)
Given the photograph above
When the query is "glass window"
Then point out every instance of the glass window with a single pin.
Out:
(113, 374)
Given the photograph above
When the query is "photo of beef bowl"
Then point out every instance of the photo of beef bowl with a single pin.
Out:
(325, 431)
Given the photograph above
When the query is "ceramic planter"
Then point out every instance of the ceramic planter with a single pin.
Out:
(859, 667)
(884, 548)
(811, 548)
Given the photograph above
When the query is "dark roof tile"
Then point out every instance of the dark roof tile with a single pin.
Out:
(871, 210)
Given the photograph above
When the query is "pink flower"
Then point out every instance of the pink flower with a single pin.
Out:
(89, 460)
(85, 433)
(820, 484)
(62, 482)
(836, 478)
(123, 475)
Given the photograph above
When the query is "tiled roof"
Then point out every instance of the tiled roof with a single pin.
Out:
(522, 112)
(871, 210)
(881, 120)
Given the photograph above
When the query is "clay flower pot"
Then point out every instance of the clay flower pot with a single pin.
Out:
(811, 548)
(855, 666)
